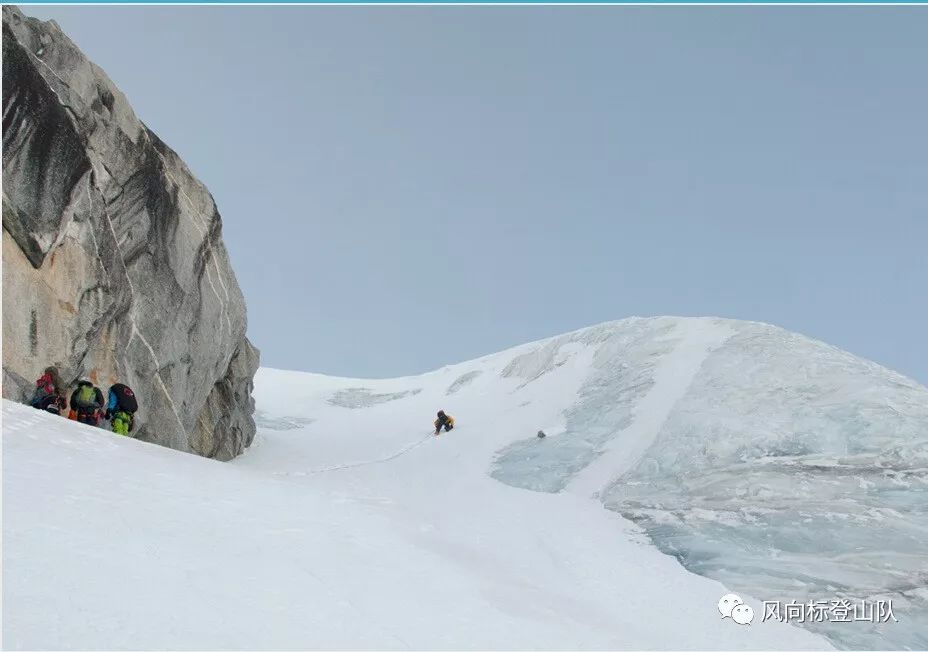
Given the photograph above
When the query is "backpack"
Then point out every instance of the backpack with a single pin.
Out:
(49, 403)
(121, 423)
(44, 391)
(85, 397)
(45, 382)
(125, 398)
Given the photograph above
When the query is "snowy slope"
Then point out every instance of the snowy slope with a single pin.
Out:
(779, 465)
(111, 543)
(355, 529)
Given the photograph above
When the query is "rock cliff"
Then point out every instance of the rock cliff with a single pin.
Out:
(113, 261)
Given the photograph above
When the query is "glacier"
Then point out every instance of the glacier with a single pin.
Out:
(685, 459)
(788, 469)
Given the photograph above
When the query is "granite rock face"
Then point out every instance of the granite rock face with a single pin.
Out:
(113, 261)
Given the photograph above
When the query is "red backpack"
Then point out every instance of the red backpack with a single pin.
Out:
(45, 396)
(46, 383)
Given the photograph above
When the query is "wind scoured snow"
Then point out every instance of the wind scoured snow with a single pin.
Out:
(361, 397)
(462, 381)
(264, 420)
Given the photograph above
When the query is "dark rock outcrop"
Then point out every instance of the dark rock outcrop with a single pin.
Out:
(113, 262)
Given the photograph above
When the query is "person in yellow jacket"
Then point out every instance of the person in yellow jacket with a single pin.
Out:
(445, 421)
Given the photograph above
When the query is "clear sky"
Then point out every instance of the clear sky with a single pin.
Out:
(407, 187)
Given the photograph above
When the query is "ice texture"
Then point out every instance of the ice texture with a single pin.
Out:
(361, 397)
(621, 374)
(788, 469)
(462, 381)
(265, 420)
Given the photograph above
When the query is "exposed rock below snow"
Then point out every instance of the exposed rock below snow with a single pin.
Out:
(113, 263)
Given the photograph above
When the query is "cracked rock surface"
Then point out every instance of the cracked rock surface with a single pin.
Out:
(113, 261)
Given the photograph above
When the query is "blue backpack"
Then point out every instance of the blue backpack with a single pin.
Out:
(122, 399)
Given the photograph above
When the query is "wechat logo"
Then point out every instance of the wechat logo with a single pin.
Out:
(732, 606)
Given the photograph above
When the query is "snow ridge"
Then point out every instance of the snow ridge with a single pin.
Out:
(672, 378)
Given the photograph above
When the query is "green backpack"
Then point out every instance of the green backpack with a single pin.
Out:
(121, 423)
(86, 397)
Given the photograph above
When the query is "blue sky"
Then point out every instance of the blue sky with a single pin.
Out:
(406, 187)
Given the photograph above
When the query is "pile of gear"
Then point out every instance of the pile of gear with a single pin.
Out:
(87, 404)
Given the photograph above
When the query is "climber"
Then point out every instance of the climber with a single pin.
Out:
(443, 420)
(86, 403)
(121, 408)
(47, 395)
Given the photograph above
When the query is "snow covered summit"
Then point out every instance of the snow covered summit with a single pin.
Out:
(782, 466)
(772, 465)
